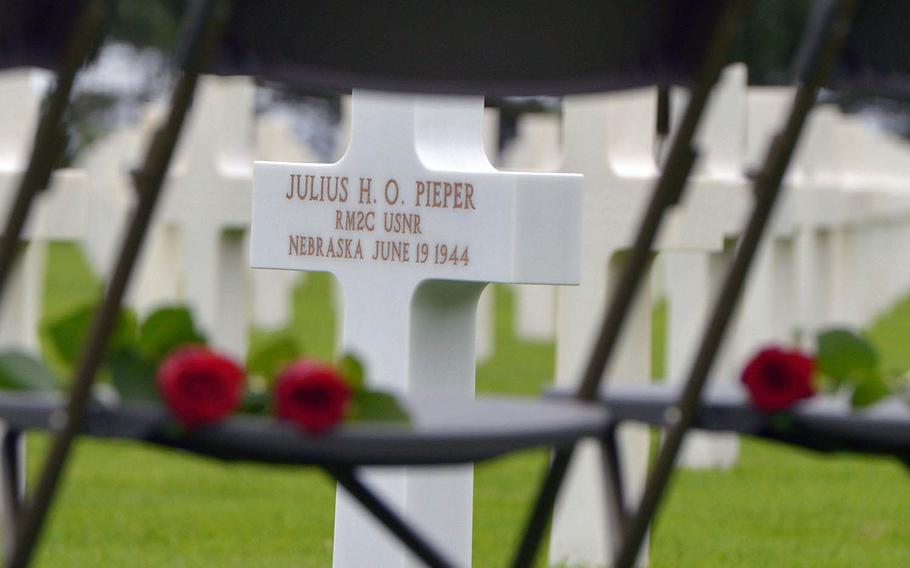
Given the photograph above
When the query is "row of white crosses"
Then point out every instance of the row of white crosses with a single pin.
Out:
(829, 256)
(197, 250)
(214, 161)
(861, 231)
(692, 266)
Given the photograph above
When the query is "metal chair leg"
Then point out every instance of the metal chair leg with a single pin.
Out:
(11, 478)
(389, 518)
(613, 484)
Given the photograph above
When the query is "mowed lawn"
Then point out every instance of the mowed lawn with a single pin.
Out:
(126, 505)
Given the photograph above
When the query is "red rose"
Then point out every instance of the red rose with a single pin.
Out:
(777, 378)
(311, 395)
(199, 386)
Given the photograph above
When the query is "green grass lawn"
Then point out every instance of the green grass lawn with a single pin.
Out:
(127, 505)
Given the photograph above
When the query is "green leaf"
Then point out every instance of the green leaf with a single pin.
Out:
(66, 335)
(270, 353)
(845, 357)
(126, 332)
(781, 421)
(133, 375)
(166, 329)
(23, 372)
(351, 370)
(869, 390)
(255, 402)
(376, 406)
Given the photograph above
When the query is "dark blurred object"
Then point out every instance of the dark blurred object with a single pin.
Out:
(145, 23)
(877, 56)
(542, 47)
(34, 32)
(535, 47)
(496, 48)
(770, 39)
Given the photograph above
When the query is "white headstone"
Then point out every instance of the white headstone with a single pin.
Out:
(413, 221)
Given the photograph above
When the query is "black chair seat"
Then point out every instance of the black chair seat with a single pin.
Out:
(443, 430)
(824, 424)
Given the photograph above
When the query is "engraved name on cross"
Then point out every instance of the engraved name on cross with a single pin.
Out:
(414, 222)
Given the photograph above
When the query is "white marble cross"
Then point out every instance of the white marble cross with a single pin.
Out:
(413, 221)
(58, 213)
(197, 250)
